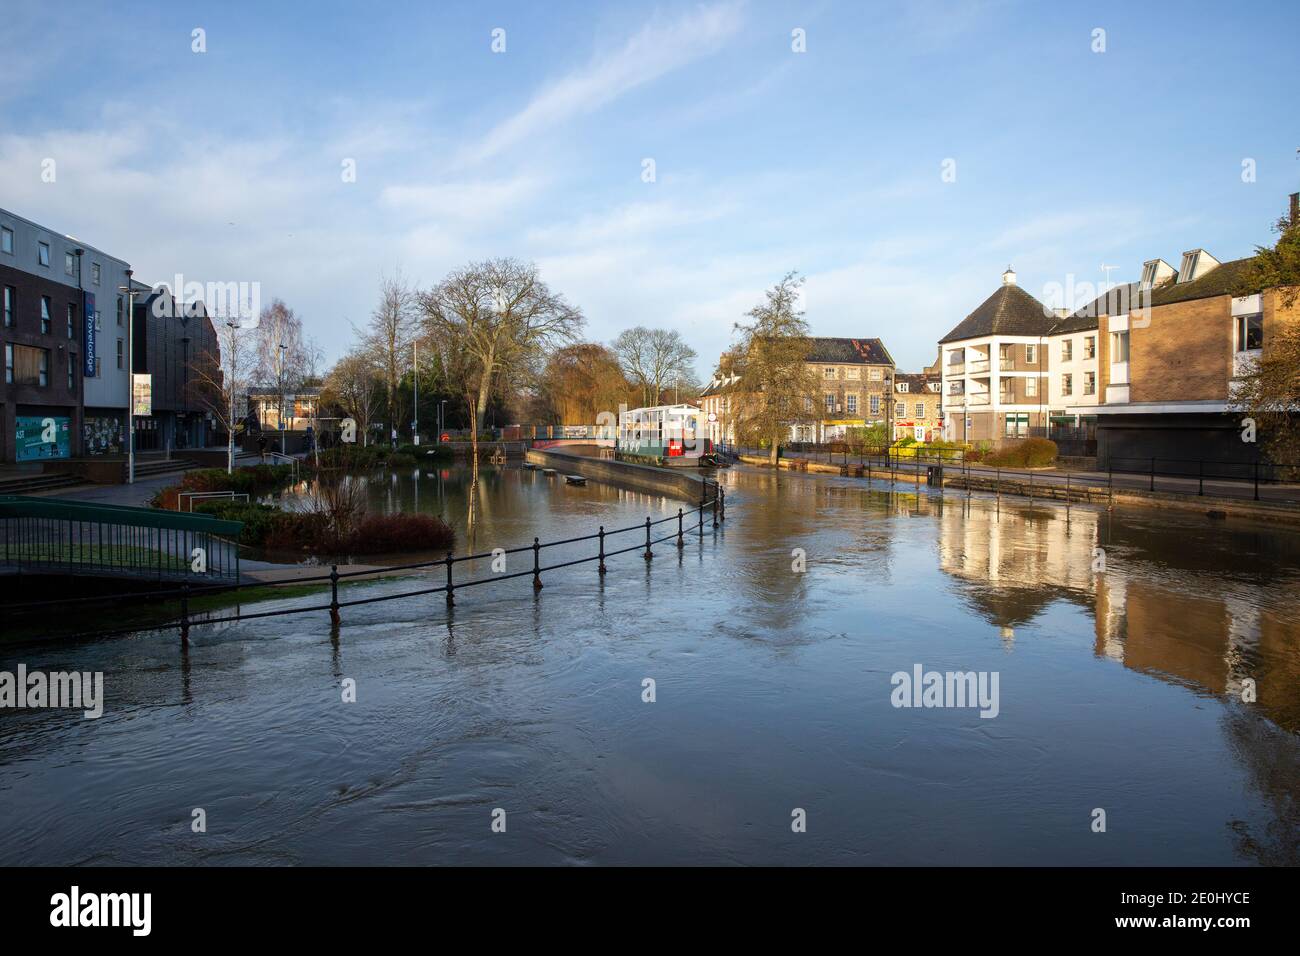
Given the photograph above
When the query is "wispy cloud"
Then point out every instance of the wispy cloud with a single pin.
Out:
(657, 49)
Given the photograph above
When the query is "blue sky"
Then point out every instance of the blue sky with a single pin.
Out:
(226, 165)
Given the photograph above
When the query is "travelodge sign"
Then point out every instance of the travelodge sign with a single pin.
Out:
(89, 316)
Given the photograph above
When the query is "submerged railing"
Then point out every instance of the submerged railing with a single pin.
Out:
(711, 507)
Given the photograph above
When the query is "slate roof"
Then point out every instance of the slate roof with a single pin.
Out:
(849, 351)
(916, 382)
(1116, 301)
(1220, 280)
(1008, 311)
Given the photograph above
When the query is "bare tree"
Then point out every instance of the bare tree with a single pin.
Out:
(772, 364)
(495, 319)
(220, 379)
(388, 339)
(354, 384)
(283, 355)
(655, 359)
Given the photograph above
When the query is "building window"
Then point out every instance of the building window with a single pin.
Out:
(44, 360)
(830, 401)
(957, 357)
(1031, 354)
(828, 373)
(72, 320)
(119, 353)
(120, 308)
(72, 366)
(853, 373)
(43, 253)
(1190, 259)
(69, 264)
(11, 299)
(902, 386)
(94, 273)
(45, 315)
(900, 409)
(1067, 350)
(1031, 387)
(1250, 332)
(807, 405)
(852, 401)
(9, 363)
(1067, 384)
(1118, 347)
(876, 374)
(1090, 347)
(1090, 383)
(6, 240)
(875, 404)
(1017, 426)
(920, 409)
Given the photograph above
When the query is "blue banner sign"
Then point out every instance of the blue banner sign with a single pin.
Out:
(89, 315)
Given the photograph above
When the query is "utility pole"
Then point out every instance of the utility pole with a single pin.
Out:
(129, 289)
(415, 415)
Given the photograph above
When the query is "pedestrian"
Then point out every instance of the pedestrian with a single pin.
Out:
(261, 446)
(394, 438)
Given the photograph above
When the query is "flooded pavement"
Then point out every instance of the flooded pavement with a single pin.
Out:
(1122, 645)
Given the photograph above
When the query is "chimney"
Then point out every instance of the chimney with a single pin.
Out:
(1009, 277)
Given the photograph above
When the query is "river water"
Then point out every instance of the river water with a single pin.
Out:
(1122, 645)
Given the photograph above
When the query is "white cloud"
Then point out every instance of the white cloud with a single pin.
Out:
(658, 49)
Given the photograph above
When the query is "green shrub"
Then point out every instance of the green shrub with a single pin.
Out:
(1026, 453)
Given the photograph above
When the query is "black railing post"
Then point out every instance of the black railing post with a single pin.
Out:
(680, 542)
(600, 566)
(648, 553)
(701, 521)
(334, 593)
(185, 615)
(715, 507)
(451, 587)
(537, 565)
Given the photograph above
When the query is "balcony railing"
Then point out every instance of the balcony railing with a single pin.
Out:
(1006, 365)
(956, 368)
(980, 399)
(979, 365)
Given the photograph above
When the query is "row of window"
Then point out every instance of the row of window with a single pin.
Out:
(853, 373)
(1089, 348)
(1089, 383)
(27, 365)
(10, 312)
(43, 256)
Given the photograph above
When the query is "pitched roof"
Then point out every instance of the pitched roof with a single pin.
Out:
(849, 351)
(1008, 311)
(1114, 301)
(1221, 280)
(916, 381)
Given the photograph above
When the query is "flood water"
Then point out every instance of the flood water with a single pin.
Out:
(1122, 644)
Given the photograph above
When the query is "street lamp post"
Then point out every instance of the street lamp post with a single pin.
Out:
(230, 429)
(129, 289)
(415, 415)
(283, 348)
(442, 418)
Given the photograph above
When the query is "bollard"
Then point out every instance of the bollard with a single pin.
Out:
(334, 593)
(701, 522)
(600, 567)
(185, 615)
(680, 542)
(537, 565)
(450, 587)
(715, 507)
(648, 553)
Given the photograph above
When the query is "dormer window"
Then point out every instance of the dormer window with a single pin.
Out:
(1149, 275)
(1188, 270)
(902, 386)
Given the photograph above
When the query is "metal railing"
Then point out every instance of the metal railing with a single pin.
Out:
(189, 497)
(1182, 471)
(46, 536)
(288, 458)
(711, 508)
